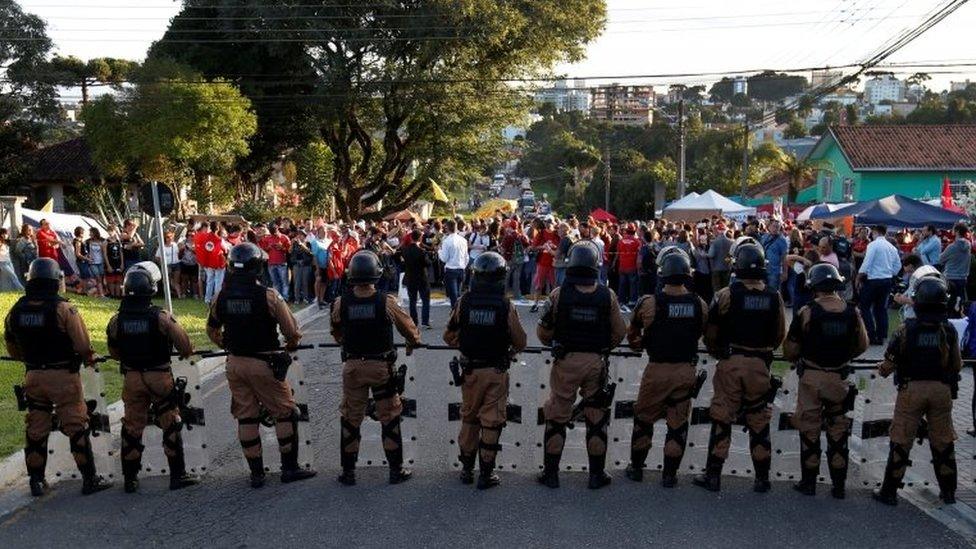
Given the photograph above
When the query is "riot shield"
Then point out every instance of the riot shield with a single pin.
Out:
(869, 440)
(784, 437)
(700, 424)
(575, 457)
(186, 375)
(371, 452)
(269, 439)
(513, 455)
(105, 445)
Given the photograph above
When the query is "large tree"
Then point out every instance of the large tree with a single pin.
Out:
(177, 130)
(28, 100)
(401, 91)
(71, 71)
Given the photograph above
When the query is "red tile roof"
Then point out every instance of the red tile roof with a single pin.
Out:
(69, 161)
(937, 147)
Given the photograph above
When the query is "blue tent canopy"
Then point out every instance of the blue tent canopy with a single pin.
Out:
(895, 211)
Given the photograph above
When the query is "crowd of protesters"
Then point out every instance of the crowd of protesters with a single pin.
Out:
(307, 259)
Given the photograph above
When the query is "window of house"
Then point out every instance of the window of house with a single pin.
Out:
(958, 188)
(848, 189)
(828, 188)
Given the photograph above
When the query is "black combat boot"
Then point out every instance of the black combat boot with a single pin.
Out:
(711, 479)
(598, 475)
(888, 494)
(348, 476)
(257, 471)
(550, 471)
(467, 468)
(944, 463)
(91, 482)
(669, 475)
(398, 474)
(762, 485)
(635, 470)
(838, 477)
(486, 475)
(38, 486)
(290, 470)
(808, 482)
(130, 475)
(178, 477)
(898, 462)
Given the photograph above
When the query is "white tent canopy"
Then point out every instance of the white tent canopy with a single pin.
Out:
(63, 224)
(686, 199)
(706, 204)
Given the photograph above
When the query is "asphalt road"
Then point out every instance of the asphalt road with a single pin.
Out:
(434, 510)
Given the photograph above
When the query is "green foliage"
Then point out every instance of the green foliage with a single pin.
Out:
(28, 100)
(765, 86)
(256, 211)
(313, 177)
(174, 131)
(402, 92)
(795, 130)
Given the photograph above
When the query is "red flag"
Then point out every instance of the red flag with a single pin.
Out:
(947, 202)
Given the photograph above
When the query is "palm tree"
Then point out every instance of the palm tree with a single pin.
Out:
(796, 171)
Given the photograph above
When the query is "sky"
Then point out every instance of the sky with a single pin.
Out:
(643, 37)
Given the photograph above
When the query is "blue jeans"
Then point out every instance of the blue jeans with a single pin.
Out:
(773, 277)
(560, 275)
(452, 284)
(628, 288)
(279, 279)
(873, 302)
(214, 283)
(423, 292)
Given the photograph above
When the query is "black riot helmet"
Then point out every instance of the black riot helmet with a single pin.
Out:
(364, 268)
(824, 277)
(246, 258)
(663, 254)
(489, 269)
(139, 283)
(44, 268)
(749, 262)
(675, 267)
(931, 295)
(583, 265)
(741, 241)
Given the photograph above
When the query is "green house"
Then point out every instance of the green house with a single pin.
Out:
(867, 162)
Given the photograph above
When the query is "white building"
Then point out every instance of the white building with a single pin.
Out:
(884, 88)
(740, 85)
(842, 96)
(566, 96)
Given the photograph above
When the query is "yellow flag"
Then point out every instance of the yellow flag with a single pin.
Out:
(439, 194)
(49, 207)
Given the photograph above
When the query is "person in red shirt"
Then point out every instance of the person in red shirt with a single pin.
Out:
(48, 244)
(628, 248)
(545, 243)
(211, 257)
(277, 245)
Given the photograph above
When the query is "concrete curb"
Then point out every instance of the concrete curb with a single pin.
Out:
(13, 478)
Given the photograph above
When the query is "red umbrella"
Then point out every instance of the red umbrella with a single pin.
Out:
(600, 214)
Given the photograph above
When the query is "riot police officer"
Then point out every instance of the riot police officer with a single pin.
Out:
(924, 355)
(363, 319)
(46, 333)
(487, 329)
(668, 326)
(745, 323)
(823, 338)
(245, 318)
(141, 337)
(582, 322)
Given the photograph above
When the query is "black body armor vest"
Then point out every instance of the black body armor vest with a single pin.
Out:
(925, 353)
(34, 321)
(677, 327)
(140, 343)
(830, 338)
(753, 318)
(249, 327)
(583, 320)
(483, 326)
(367, 331)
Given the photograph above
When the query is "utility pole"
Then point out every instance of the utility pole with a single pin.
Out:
(745, 157)
(606, 175)
(681, 149)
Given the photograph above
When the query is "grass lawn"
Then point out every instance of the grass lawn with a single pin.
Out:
(192, 314)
